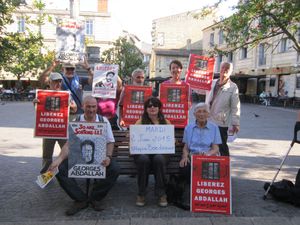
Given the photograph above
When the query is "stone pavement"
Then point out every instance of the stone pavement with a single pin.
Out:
(256, 156)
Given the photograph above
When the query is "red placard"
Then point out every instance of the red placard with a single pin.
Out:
(200, 72)
(134, 98)
(211, 184)
(52, 114)
(175, 100)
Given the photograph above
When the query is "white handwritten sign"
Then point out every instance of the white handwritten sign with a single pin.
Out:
(152, 139)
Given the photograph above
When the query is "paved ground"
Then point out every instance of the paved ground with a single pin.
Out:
(255, 158)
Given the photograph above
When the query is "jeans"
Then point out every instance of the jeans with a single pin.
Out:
(100, 188)
(144, 165)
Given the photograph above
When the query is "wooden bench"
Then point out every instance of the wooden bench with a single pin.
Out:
(126, 161)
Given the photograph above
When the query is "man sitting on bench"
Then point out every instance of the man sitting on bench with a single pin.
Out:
(101, 186)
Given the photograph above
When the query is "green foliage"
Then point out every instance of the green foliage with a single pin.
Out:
(260, 20)
(20, 53)
(124, 54)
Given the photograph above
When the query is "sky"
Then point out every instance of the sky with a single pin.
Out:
(136, 16)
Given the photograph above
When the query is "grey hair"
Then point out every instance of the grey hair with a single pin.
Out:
(137, 71)
(88, 98)
(201, 105)
(230, 70)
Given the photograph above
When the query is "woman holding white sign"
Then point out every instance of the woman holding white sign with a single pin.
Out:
(157, 162)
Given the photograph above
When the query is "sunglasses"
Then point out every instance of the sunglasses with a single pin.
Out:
(152, 105)
(70, 68)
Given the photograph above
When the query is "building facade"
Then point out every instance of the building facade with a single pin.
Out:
(272, 66)
(175, 37)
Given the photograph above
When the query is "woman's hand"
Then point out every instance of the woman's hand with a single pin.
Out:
(35, 101)
(184, 161)
(106, 162)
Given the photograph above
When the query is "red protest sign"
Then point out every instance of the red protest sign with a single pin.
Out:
(134, 98)
(200, 72)
(211, 184)
(175, 100)
(52, 114)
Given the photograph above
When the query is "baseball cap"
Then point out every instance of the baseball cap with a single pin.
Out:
(69, 65)
(55, 76)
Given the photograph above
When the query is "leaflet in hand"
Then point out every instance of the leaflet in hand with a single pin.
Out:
(43, 179)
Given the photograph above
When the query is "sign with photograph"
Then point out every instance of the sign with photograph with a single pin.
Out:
(52, 114)
(211, 184)
(152, 139)
(87, 150)
(200, 72)
(175, 100)
(133, 106)
(105, 81)
(70, 41)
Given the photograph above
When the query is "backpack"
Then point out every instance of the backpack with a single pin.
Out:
(286, 191)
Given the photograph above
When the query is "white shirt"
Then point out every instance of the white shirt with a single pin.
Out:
(109, 134)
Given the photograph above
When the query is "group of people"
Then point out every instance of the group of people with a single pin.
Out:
(207, 135)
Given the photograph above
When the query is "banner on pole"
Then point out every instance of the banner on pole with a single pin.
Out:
(87, 150)
(211, 184)
(52, 114)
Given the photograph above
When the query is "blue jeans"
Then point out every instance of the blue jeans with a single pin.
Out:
(100, 189)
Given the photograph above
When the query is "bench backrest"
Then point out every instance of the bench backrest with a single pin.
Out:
(126, 162)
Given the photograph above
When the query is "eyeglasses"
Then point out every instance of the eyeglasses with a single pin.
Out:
(152, 105)
(70, 68)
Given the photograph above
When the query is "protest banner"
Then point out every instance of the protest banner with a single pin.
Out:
(175, 100)
(133, 106)
(52, 114)
(200, 72)
(70, 40)
(105, 81)
(87, 150)
(152, 139)
(211, 184)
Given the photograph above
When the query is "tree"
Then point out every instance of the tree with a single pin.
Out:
(124, 54)
(20, 53)
(257, 21)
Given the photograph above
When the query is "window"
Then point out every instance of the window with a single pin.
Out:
(160, 39)
(211, 40)
(243, 53)
(221, 37)
(298, 82)
(283, 45)
(89, 27)
(219, 61)
(261, 55)
(230, 57)
(21, 25)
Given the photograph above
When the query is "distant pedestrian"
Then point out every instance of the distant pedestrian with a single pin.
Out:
(224, 103)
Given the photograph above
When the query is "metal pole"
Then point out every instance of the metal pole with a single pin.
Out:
(74, 8)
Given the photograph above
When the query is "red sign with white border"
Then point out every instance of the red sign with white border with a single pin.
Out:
(200, 72)
(175, 100)
(52, 114)
(134, 98)
(211, 184)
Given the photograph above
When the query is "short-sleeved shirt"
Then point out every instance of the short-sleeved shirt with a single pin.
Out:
(201, 139)
(109, 134)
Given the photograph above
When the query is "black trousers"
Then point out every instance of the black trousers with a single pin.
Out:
(223, 148)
